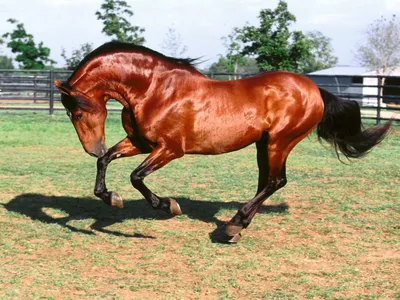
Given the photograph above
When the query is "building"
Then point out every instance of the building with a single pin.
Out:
(358, 83)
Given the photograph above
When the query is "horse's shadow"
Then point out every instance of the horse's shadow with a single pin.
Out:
(35, 206)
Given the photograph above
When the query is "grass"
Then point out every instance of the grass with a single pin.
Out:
(331, 233)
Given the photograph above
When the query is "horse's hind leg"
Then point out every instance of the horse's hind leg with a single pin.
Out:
(271, 160)
(124, 148)
(158, 158)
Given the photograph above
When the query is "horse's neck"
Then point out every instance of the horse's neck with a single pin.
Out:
(117, 82)
(125, 80)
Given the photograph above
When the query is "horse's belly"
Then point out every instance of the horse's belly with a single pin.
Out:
(218, 140)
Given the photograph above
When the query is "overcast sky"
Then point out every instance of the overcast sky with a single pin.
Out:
(201, 23)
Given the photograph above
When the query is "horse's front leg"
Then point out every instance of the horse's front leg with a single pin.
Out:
(158, 158)
(124, 148)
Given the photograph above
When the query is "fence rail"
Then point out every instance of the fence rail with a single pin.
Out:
(34, 90)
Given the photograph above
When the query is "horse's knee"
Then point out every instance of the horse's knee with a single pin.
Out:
(135, 178)
(281, 182)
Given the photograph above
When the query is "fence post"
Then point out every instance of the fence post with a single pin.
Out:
(51, 104)
(378, 109)
(34, 88)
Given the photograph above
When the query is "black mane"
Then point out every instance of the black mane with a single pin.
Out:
(114, 46)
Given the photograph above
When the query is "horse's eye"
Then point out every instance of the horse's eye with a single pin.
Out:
(78, 117)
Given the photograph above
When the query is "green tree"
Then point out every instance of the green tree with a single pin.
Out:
(77, 55)
(29, 55)
(273, 44)
(114, 14)
(220, 66)
(321, 53)
(248, 66)
(234, 56)
(6, 62)
(233, 61)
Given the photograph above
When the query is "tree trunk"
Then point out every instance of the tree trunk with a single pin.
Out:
(384, 73)
(236, 67)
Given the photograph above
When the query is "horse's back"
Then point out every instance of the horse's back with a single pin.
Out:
(278, 101)
(209, 116)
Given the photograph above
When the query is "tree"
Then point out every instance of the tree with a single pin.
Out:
(30, 55)
(220, 67)
(6, 62)
(273, 44)
(234, 56)
(113, 13)
(381, 48)
(233, 61)
(248, 66)
(321, 53)
(172, 44)
(76, 56)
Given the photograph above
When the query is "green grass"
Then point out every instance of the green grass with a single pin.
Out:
(336, 236)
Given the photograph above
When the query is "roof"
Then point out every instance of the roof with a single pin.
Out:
(343, 70)
(352, 71)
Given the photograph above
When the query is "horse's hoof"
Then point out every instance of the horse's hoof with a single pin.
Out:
(174, 207)
(116, 200)
(235, 238)
(233, 230)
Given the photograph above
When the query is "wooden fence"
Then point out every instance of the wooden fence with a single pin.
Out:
(34, 90)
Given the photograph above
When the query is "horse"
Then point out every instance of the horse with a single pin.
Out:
(171, 109)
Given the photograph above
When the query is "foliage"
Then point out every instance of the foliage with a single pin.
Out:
(248, 66)
(233, 61)
(76, 56)
(30, 55)
(381, 48)
(234, 56)
(274, 45)
(172, 44)
(6, 62)
(321, 53)
(114, 14)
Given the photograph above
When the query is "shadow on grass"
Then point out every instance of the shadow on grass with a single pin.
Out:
(34, 206)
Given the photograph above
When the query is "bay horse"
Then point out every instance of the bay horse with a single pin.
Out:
(171, 109)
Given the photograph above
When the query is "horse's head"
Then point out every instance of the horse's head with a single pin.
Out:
(88, 117)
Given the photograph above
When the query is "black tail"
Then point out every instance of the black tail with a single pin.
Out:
(341, 126)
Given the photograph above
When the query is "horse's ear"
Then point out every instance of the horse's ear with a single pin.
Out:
(64, 88)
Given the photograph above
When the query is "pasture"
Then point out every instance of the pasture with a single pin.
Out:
(331, 233)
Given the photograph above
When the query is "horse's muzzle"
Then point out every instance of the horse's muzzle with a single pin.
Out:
(99, 150)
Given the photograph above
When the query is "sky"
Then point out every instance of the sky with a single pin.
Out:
(200, 23)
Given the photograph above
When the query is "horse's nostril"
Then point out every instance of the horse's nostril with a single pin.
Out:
(93, 154)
